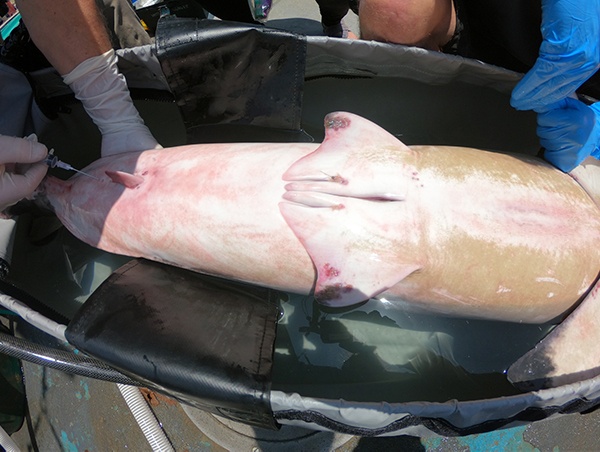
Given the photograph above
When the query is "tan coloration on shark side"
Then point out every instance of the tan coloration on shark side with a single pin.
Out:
(452, 230)
(507, 223)
(476, 232)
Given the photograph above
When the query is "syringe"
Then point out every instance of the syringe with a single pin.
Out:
(53, 162)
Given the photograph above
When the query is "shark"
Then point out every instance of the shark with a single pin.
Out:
(449, 230)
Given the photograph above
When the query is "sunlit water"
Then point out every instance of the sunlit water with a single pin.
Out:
(374, 352)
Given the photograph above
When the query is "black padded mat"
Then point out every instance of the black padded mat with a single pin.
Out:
(203, 340)
(233, 81)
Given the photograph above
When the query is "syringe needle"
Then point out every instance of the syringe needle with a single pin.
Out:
(81, 172)
(68, 167)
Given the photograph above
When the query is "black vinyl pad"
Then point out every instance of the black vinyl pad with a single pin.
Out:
(233, 81)
(203, 340)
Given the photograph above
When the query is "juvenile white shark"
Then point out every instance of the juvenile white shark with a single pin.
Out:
(455, 230)
(451, 230)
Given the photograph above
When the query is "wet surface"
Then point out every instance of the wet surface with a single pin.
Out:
(74, 413)
(77, 414)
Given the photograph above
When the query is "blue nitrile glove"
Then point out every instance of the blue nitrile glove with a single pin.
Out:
(569, 54)
(570, 132)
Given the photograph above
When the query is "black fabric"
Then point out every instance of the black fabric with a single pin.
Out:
(203, 340)
(19, 51)
(233, 82)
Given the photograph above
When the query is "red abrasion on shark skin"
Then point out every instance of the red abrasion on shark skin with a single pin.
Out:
(333, 189)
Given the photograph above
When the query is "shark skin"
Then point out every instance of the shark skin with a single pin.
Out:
(571, 351)
(449, 230)
(568, 354)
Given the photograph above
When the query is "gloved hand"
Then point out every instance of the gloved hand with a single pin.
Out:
(570, 132)
(569, 54)
(18, 181)
(103, 91)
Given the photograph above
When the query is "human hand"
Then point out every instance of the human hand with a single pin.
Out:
(570, 132)
(569, 54)
(18, 181)
(132, 137)
(103, 91)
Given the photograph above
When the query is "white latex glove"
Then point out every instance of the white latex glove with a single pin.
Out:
(21, 169)
(103, 91)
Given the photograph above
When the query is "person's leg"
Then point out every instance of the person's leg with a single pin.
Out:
(332, 11)
(235, 10)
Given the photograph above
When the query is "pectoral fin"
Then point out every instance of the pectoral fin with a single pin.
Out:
(346, 204)
(354, 257)
(570, 353)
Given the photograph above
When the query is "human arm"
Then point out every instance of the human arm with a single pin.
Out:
(73, 37)
(21, 169)
(568, 56)
(67, 32)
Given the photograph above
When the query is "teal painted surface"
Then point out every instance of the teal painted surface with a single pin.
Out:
(497, 441)
(67, 444)
(10, 25)
(84, 394)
